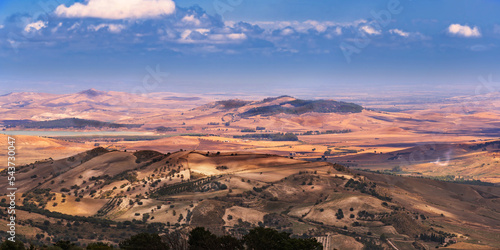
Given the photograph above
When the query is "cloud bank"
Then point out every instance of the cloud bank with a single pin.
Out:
(117, 9)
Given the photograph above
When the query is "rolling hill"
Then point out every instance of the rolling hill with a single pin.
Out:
(232, 192)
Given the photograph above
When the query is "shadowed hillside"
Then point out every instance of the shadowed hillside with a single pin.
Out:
(298, 107)
(69, 123)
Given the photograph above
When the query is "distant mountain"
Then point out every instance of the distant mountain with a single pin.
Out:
(71, 123)
(160, 109)
(92, 92)
(286, 105)
(298, 107)
(93, 104)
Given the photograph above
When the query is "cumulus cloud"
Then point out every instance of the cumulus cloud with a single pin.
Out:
(319, 26)
(338, 31)
(193, 30)
(287, 31)
(113, 28)
(38, 25)
(399, 32)
(464, 30)
(370, 30)
(117, 9)
(191, 19)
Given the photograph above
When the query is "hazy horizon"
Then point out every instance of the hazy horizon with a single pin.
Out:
(272, 46)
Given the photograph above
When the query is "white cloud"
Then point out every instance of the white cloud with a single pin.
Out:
(38, 25)
(54, 30)
(185, 34)
(319, 26)
(304, 27)
(464, 30)
(113, 28)
(206, 38)
(399, 32)
(117, 9)
(74, 26)
(1, 26)
(338, 31)
(287, 32)
(191, 19)
(370, 30)
(237, 36)
(203, 31)
(410, 36)
(226, 38)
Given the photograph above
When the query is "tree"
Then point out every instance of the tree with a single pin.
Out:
(383, 237)
(98, 246)
(202, 239)
(267, 238)
(339, 214)
(396, 169)
(175, 240)
(9, 245)
(66, 245)
(228, 242)
(144, 241)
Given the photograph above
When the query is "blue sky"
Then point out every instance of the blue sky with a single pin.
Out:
(258, 46)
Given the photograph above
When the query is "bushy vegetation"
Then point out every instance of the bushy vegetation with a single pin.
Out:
(273, 137)
(199, 239)
(462, 180)
(248, 130)
(364, 187)
(484, 145)
(202, 239)
(9, 245)
(257, 238)
(144, 241)
(163, 129)
(332, 131)
(231, 104)
(432, 237)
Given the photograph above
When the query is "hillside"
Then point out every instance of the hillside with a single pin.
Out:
(68, 123)
(232, 192)
(474, 160)
(298, 107)
(30, 149)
